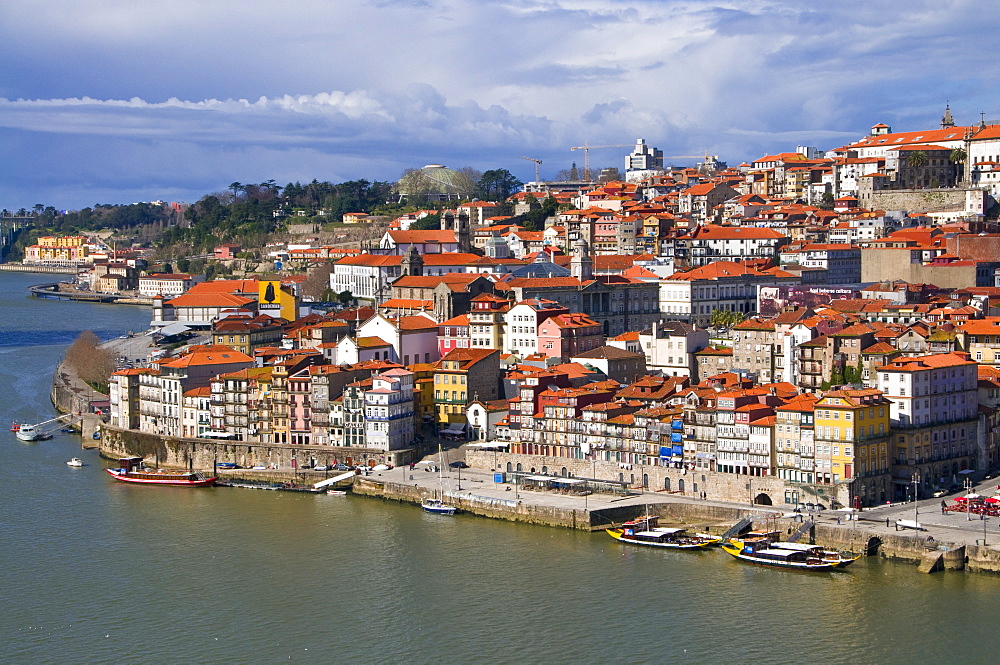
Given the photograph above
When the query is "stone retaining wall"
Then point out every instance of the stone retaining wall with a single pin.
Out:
(185, 453)
(763, 490)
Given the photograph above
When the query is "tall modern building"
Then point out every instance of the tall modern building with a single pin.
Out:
(644, 157)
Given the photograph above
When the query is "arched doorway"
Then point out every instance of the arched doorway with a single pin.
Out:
(666, 484)
(510, 467)
(680, 485)
(762, 500)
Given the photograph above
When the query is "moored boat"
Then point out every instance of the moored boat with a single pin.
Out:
(131, 470)
(438, 507)
(766, 550)
(645, 531)
(26, 432)
(76, 461)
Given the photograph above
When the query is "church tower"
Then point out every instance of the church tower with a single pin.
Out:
(581, 265)
(463, 233)
(946, 120)
(412, 263)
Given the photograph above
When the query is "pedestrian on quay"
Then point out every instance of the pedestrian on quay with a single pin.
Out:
(944, 504)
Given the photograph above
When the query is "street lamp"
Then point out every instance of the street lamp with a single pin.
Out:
(968, 490)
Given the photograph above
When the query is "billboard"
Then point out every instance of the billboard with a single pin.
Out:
(773, 300)
(274, 300)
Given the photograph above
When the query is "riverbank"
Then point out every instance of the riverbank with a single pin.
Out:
(63, 291)
(27, 267)
(481, 492)
(934, 548)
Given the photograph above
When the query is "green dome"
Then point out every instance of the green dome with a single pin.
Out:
(436, 183)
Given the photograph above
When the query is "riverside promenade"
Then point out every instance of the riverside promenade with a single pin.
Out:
(945, 541)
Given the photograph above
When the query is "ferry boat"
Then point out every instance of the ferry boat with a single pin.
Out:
(766, 550)
(26, 432)
(132, 470)
(645, 531)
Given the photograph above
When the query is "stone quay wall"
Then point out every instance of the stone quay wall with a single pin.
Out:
(188, 453)
(751, 490)
(513, 510)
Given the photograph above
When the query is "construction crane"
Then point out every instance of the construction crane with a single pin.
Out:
(537, 162)
(586, 155)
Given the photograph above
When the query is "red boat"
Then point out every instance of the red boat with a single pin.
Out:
(131, 470)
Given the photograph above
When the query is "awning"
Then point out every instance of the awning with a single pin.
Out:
(540, 479)
(489, 444)
(568, 481)
(174, 329)
(454, 428)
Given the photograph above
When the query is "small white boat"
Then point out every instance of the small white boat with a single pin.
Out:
(438, 507)
(76, 461)
(27, 433)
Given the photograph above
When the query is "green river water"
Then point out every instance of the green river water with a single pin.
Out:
(99, 572)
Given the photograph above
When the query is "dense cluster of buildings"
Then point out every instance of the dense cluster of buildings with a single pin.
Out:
(808, 326)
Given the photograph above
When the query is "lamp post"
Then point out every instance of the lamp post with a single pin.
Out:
(968, 491)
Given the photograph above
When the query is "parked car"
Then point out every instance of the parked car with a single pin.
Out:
(459, 464)
(341, 467)
(321, 467)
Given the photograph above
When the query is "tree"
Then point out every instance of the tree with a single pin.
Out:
(345, 297)
(958, 157)
(498, 184)
(318, 280)
(91, 363)
(916, 159)
(236, 188)
(430, 222)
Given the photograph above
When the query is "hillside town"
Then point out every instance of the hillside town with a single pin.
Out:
(817, 326)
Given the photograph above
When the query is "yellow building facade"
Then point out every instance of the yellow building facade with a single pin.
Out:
(852, 442)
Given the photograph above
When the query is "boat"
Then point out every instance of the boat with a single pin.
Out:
(645, 531)
(76, 461)
(43, 430)
(437, 506)
(132, 470)
(765, 549)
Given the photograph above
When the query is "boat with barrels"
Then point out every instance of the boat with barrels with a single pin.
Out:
(646, 531)
(764, 549)
(132, 470)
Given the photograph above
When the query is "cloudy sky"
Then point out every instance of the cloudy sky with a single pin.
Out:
(128, 100)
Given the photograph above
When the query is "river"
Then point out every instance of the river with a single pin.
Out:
(100, 572)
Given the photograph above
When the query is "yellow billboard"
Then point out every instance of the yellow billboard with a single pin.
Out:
(275, 300)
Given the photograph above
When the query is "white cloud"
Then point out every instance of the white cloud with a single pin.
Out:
(480, 83)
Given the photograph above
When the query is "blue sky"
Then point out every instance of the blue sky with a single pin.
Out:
(131, 100)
